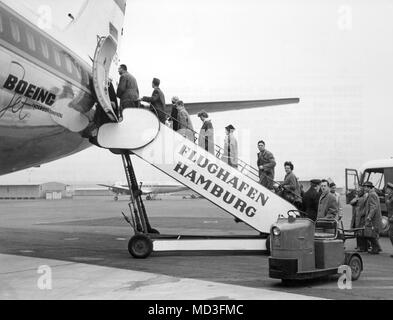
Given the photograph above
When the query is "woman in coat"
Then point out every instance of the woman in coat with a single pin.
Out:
(186, 128)
(292, 191)
(206, 136)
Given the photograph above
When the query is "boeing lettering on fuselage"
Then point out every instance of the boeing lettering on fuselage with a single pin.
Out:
(29, 90)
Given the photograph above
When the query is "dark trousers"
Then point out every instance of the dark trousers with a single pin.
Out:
(391, 232)
(375, 246)
(362, 243)
(266, 179)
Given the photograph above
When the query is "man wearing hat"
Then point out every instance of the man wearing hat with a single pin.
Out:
(359, 218)
(389, 205)
(230, 148)
(157, 100)
(311, 199)
(373, 216)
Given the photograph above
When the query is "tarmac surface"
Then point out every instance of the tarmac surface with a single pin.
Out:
(84, 242)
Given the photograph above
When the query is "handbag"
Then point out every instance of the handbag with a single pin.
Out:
(369, 232)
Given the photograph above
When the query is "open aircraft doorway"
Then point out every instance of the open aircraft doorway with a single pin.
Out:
(104, 55)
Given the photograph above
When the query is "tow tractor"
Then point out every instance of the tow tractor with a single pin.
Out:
(302, 249)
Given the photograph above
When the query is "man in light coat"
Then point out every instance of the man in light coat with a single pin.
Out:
(373, 216)
(186, 129)
(328, 207)
(231, 151)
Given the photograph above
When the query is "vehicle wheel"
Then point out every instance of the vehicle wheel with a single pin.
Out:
(385, 227)
(140, 246)
(268, 245)
(116, 198)
(356, 267)
(148, 198)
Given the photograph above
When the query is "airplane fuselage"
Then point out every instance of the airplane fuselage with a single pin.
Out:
(46, 94)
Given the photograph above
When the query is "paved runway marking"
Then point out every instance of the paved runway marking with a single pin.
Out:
(26, 251)
(71, 239)
(79, 281)
(121, 239)
(87, 259)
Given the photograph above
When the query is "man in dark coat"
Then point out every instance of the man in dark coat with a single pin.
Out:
(389, 206)
(328, 206)
(373, 216)
(311, 200)
(266, 166)
(127, 91)
(206, 135)
(157, 100)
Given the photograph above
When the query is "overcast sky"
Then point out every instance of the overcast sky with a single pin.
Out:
(335, 56)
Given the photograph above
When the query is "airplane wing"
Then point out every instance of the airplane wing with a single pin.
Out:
(116, 189)
(194, 108)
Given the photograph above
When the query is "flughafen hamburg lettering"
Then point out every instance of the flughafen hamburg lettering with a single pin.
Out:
(216, 190)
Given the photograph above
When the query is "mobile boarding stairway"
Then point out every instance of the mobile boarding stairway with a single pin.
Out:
(236, 191)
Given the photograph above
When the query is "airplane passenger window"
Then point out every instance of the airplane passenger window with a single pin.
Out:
(1, 24)
(15, 30)
(44, 49)
(30, 41)
(57, 57)
(68, 63)
(78, 72)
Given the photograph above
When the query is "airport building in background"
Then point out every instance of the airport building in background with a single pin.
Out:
(48, 191)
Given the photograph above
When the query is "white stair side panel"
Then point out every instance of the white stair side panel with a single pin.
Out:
(195, 168)
(210, 245)
(245, 199)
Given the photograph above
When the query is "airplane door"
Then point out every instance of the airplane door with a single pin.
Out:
(351, 184)
(105, 52)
